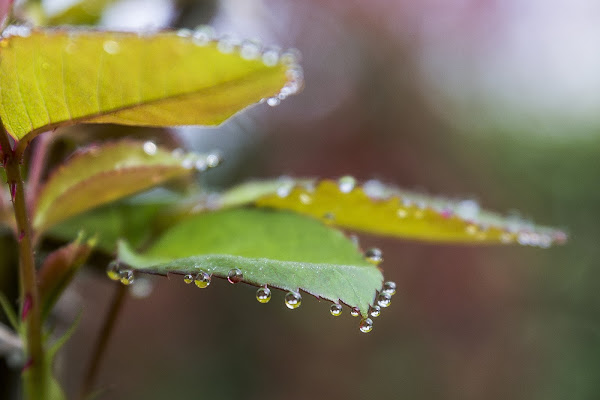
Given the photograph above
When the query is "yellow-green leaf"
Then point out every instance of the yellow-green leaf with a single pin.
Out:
(56, 77)
(101, 174)
(385, 210)
(83, 12)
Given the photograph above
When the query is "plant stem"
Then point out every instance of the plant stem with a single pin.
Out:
(35, 378)
(110, 319)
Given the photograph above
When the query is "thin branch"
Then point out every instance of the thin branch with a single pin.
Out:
(108, 325)
(30, 309)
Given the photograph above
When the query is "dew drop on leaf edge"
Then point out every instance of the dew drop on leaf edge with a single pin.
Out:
(384, 300)
(366, 325)
(355, 312)
(336, 310)
(202, 280)
(293, 300)
(189, 278)
(374, 256)
(374, 311)
(235, 276)
(112, 271)
(263, 295)
(389, 287)
(126, 277)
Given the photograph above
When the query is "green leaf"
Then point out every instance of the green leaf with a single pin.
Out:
(279, 249)
(58, 270)
(389, 211)
(56, 77)
(100, 174)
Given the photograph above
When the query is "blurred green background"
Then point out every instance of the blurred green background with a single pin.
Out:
(496, 101)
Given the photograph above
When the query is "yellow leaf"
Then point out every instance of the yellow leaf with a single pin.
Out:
(56, 77)
(383, 210)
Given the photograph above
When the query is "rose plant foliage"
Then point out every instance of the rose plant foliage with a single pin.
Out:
(286, 233)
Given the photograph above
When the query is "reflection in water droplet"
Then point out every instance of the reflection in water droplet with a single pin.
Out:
(126, 277)
(235, 276)
(112, 271)
(389, 287)
(355, 312)
(203, 35)
(374, 256)
(111, 47)
(273, 101)
(150, 148)
(202, 280)
(375, 311)
(188, 278)
(366, 325)
(263, 295)
(336, 310)
(346, 184)
(384, 300)
(293, 300)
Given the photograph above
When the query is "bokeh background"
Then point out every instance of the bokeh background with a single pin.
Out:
(496, 101)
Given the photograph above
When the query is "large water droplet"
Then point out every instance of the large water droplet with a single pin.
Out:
(389, 287)
(293, 300)
(150, 148)
(203, 35)
(375, 311)
(355, 312)
(112, 271)
(346, 184)
(126, 277)
(263, 295)
(235, 276)
(336, 310)
(366, 325)
(374, 256)
(384, 300)
(189, 278)
(202, 280)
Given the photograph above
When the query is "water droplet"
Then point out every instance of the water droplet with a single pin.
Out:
(184, 33)
(189, 278)
(126, 277)
(263, 295)
(201, 165)
(366, 325)
(273, 101)
(71, 47)
(346, 184)
(468, 209)
(384, 300)
(178, 153)
(305, 198)
(112, 271)
(143, 288)
(291, 57)
(355, 312)
(374, 189)
(336, 310)
(235, 275)
(226, 44)
(329, 217)
(188, 162)
(150, 148)
(270, 57)
(293, 300)
(374, 256)
(285, 189)
(250, 49)
(375, 311)
(213, 160)
(419, 214)
(471, 229)
(402, 213)
(111, 47)
(389, 287)
(203, 35)
(202, 280)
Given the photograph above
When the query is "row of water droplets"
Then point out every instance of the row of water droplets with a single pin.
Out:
(293, 299)
(189, 160)
(514, 228)
(253, 49)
